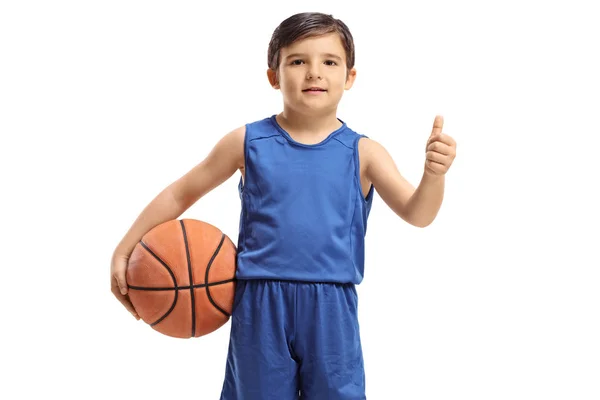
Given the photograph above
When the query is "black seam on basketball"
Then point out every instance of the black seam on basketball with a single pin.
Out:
(172, 277)
(189, 264)
(206, 276)
(197, 286)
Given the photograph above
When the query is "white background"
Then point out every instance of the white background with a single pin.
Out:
(103, 104)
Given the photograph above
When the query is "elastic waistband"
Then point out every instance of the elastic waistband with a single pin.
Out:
(294, 282)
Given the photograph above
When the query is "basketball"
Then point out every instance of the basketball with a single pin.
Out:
(181, 278)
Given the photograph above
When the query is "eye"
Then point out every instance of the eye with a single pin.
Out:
(296, 62)
(330, 62)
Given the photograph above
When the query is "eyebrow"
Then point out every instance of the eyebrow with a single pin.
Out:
(330, 55)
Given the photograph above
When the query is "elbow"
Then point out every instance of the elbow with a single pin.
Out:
(419, 222)
(419, 219)
(176, 199)
(422, 224)
(414, 217)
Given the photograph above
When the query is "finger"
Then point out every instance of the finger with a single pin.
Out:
(129, 306)
(122, 283)
(443, 138)
(120, 276)
(437, 157)
(438, 124)
(446, 139)
(436, 168)
(126, 301)
(440, 147)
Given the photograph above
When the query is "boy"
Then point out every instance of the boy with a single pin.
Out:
(307, 186)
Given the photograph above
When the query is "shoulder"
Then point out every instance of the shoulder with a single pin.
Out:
(229, 148)
(238, 132)
(247, 131)
(233, 143)
(368, 146)
(365, 145)
(371, 151)
(235, 137)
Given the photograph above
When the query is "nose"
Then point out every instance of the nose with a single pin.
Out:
(314, 71)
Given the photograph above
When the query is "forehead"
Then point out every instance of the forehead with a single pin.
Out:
(328, 43)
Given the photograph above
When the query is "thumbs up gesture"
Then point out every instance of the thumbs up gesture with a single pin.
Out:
(440, 150)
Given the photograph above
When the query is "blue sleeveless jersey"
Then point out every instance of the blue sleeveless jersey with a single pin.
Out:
(303, 215)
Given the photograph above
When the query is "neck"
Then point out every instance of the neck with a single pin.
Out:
(309, 124)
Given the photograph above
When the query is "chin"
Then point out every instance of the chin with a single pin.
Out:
(311, 108)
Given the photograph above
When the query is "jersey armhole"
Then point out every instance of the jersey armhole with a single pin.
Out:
(357, 171)
(244, 179)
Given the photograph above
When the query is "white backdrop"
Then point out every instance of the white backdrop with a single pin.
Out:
(103, 104)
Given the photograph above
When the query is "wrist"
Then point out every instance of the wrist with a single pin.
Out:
(430, 177)
(120, 253)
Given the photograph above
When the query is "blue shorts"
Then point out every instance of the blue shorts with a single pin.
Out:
(294, 340)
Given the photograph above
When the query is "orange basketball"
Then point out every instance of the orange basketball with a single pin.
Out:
(181, 278)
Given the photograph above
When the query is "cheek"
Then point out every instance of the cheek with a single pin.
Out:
(289, 83)
(340, 85)
(287, 86)
(339, 79)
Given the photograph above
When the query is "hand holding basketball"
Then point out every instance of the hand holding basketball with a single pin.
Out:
(440, 150)
(180, 278)
(118, 282)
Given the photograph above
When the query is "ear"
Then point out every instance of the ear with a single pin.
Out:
(350, 79)
(273, 79)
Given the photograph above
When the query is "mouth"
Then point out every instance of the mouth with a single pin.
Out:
(314, 89)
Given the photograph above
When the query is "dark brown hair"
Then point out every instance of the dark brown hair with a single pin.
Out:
(304, 25)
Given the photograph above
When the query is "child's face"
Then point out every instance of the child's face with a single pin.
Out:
(313, 62)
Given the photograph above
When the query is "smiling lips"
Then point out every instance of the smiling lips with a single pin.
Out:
(314, 89)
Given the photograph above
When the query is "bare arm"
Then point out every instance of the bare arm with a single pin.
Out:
(220, 164)
(224, 159)
(419, 206)
(381, 170)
